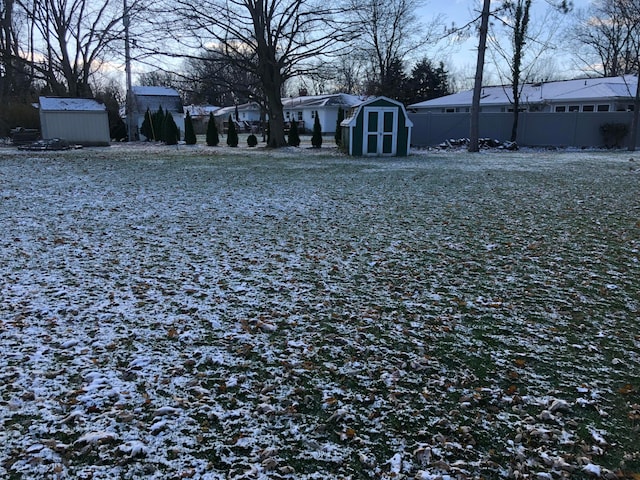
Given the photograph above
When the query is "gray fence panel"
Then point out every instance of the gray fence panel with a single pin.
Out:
(579, 129)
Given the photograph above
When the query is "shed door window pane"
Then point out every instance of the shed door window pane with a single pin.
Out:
(372, 144)
(388, 122)
(387, 144)
(373, 122)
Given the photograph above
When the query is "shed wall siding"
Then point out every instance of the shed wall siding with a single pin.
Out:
(81, 127)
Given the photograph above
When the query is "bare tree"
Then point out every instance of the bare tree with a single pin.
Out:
(347, 75)
(213, 78)
(14, 78)
(274, 40)
(607, 37)
(159, 78)
(390, 31)
(73, 39)
(515, 16)
(7, 46)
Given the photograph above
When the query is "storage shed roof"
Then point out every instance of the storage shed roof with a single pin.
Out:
(58, 104)
(153, 98)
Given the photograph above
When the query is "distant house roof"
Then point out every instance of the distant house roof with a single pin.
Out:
(71, 104)
(155, 91)
(585, 89)
(311, 101)
(245, 107)
(200, 110)
(153, 98)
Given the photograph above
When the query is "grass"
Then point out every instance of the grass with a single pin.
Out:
(338, 310)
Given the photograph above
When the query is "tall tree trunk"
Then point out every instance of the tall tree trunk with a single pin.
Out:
(276, 119)
(520, 28)
(270, 74)
(633, 137)
(7, 82)
(516, 112)
(477, 87)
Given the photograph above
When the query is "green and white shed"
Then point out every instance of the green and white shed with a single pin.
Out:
(378, 127)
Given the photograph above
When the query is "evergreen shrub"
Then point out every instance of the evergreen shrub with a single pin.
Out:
(232, 134)
(316, 137)
(157, 122)
(189, 132)
(171, 131)
(213, 139)
(294, 138)
(252, 140)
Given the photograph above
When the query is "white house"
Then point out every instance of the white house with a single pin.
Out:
(565, 113)
(200, 116)
(152, 98)
(246, 116)
(605, 94)
(302, 109)
(82, 121)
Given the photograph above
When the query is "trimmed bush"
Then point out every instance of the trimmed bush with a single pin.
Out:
(157, 123)
(613, 134)
(171, 131)
(252, 141)
(316, 138)
(213, 139)
(232, 134)
(294, 138)
(189, 133)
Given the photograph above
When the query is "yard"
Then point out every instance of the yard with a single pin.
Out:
(206, 313)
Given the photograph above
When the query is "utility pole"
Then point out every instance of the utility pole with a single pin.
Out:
(127, 66)
(477, 88)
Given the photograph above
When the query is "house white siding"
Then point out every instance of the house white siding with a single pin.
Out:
(305, 108)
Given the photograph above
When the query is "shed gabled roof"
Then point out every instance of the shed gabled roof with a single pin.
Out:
(585, 89)
(57, 104)
(351, 120)
(155, 91)
(152, 98)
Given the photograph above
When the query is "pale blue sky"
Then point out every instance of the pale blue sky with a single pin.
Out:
(461, 58)
(458, 10)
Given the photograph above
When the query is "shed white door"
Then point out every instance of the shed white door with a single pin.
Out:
(380, 131)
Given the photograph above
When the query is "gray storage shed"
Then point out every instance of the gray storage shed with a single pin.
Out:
(82, 121)
(379, 126)
(152, 98)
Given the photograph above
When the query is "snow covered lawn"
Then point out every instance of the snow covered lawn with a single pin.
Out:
(200, 313)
